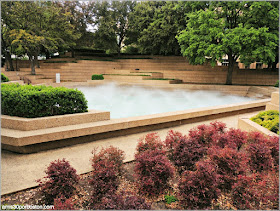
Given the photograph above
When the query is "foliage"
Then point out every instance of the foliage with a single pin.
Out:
(61, 179)
(97, 77)
(170, 199)
(233, 138)
(198, 188)
(62, 203)
(276, 84)
(268, 119)
(204, 134)
(186, 153)
(122, 201)
(259, 153)
(4, 78)
(212, 34)
(153, 171)
(107, 169)
(150, 142)
(230, 163)
(38, 101)
(273, 144)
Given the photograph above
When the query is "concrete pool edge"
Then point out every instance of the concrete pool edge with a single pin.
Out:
(50, 138)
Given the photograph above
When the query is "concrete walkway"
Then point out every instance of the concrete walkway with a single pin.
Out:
(20, 171)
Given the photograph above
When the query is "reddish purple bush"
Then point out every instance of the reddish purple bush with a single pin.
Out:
(204, 134)
(273, 144)
(244, 194)
(153, 171)
(150, 142)
(62, 203)
(61, 179)
(198, 188)
(111, 154)
(233, 138)
(171, 139)
(122, 201)
(259, 152)
(107, 170)
(186, 152)
(230, 163)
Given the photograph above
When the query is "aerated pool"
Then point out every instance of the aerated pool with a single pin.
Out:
(131, 101)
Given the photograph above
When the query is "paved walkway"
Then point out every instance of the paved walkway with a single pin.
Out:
(20, 171)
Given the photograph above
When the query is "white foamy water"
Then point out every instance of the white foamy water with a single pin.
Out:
(128, 101)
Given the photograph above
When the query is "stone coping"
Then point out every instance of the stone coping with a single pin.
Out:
(28, 124)
(244, 123)
(24, 138)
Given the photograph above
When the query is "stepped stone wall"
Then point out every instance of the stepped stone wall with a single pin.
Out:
(173, 67)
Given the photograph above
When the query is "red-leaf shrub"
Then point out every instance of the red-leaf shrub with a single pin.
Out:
(186, 152)
(256, 191)
(111, 154)
(233, 138)
(230, 163)
(198, 188)
(203, 134)
(122, 201)
(171, 139)
(259, 152)
(150, 142)
(153, 171)
(61, 179)
(107, 169)
(62, 203)
(273, 144)
(243, 193)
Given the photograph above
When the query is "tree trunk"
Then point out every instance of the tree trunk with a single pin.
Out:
(36, 61)
(73, 53)
(47, 55)
(9, 61)
(230, 70)
(32, 62)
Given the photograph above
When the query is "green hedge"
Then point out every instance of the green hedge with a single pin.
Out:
(39, 101)
(268, 119)
(97, 77)
(4, 78)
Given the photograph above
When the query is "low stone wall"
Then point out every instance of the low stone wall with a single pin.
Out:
(244, 123)
(27, 124)
(48, 138)
(274, 103)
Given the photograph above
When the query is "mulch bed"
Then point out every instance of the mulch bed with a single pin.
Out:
(33, 197)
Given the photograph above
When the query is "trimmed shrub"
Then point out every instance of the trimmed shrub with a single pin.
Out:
(273, 144)
(62, 203)
(268, 119)
(39, 101)
(276, 84)
(107, 169)
(122, 201)
(259, 152)
(97, 77)
(111, 154)
(233, 138)
(61, 179)
(4, 78)
(171, 140)
(186, 152)
(230, 163)
(198, 188)
(153, 170)
(151, 141)
(203, 134)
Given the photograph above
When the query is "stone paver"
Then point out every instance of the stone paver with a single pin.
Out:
(20, 171)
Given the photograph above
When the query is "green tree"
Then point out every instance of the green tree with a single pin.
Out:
(223, 30)
(30, 27)
(111, 19)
